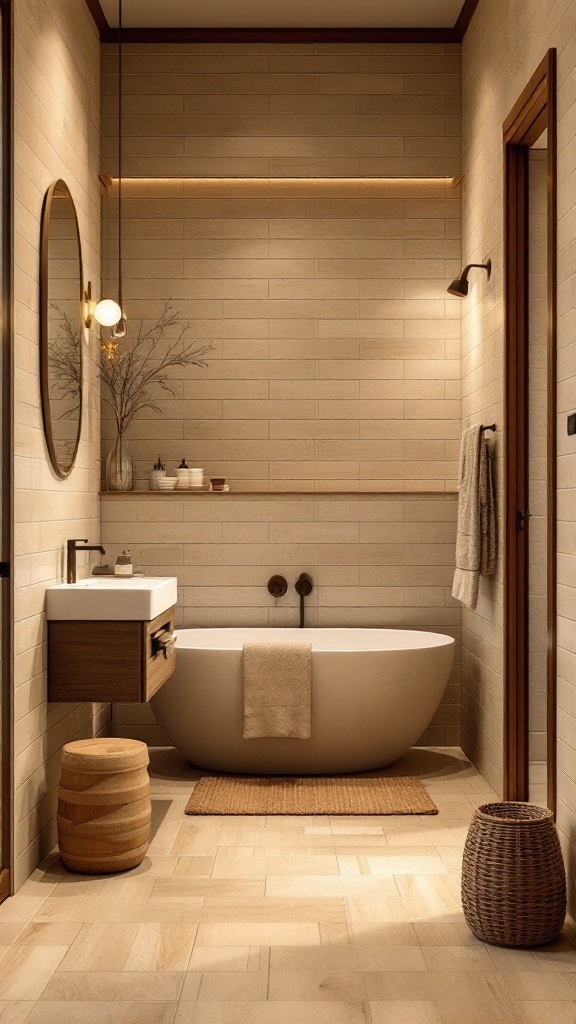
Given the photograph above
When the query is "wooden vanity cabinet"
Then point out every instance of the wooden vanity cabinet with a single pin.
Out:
(107, 662)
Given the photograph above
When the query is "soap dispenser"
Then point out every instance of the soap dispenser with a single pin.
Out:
(123, 566)
(159, 470)
(183, 476)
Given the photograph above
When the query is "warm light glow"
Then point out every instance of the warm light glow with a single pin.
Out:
(107, 312)
(110, 348)
(450, 180)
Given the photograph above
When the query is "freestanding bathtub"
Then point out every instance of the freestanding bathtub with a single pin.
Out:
(374, 691)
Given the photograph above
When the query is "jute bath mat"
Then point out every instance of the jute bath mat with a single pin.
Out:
(311, 795)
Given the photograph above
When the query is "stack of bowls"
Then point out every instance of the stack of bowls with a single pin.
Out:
(182, 479)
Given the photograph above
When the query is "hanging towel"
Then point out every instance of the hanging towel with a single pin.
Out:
(476, 536)
(277, 690)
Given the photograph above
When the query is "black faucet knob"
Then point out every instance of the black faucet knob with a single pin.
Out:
(277, 586)
(304, 584)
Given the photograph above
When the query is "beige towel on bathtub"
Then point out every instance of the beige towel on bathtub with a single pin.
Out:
(277, 690)
(476, 533)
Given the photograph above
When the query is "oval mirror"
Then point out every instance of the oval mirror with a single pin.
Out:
(61, 327)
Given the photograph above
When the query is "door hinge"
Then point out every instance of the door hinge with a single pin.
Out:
(522, 517)
(4, 570)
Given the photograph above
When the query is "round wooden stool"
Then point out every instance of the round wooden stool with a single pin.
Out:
(104, 805)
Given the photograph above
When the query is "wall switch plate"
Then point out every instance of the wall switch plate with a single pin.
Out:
(572, 423)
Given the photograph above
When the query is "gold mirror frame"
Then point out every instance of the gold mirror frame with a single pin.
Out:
(58, 187)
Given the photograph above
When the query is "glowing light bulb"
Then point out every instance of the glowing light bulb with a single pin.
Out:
(107, 312)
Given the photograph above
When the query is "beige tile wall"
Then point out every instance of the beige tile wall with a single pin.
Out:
(336, 349)
(56, 135)
(322, 285)
(504, 45)
(336, 357)
(384, 561)
(278, 110)
(321, 282)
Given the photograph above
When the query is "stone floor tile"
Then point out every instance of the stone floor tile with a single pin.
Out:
(297, 1012)
(26, 970)
(531, 985)
(100, 947)
(399, 1012)
(249, 934)
(15, 1012)
(161, 947)
(336, 986)
(108, 986)
(552, 1011)
(219, 958)
(233, 985)
(81, 1012)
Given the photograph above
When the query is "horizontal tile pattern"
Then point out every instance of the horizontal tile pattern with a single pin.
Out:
(335, 349)
(335, 360)
(209, 110)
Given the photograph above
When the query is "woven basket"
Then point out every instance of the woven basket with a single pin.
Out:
(513, 878)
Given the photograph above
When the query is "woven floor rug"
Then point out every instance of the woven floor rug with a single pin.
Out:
(311, 795)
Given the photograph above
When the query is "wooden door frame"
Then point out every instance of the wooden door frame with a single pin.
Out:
(534, 111)
(7, 448)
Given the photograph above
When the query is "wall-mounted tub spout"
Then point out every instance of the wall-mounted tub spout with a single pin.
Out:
(304, 587)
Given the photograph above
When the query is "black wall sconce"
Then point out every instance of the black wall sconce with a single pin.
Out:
(459, 287)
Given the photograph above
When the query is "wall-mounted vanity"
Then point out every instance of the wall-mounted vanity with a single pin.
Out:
(110, 640)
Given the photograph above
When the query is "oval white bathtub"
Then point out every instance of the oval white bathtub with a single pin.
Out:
(374, 691)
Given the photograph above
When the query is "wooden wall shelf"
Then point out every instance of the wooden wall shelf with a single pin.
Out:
(222, 495)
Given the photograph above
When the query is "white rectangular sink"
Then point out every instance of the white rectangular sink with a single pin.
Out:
(141, 598)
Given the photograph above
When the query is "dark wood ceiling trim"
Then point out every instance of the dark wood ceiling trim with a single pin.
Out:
(281, 35)
(100, 18)
(465, 17)
(285, 35)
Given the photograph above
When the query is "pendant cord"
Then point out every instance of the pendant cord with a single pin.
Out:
(120, 155)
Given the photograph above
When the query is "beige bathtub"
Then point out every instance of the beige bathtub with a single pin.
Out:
(374, 691)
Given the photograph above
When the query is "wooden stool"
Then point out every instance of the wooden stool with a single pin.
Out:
(104, 805)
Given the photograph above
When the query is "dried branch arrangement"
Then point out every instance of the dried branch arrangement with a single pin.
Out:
(130, 374)
(65, 365)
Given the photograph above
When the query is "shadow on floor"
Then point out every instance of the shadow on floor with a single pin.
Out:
(422, 762)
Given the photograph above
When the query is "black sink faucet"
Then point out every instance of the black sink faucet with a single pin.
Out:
(72, 548)
(303, 587)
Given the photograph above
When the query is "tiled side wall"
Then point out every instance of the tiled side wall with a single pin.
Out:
(56, 136)
(375, 561)
(503, 47)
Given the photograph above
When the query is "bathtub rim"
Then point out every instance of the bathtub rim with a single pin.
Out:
(259, 634)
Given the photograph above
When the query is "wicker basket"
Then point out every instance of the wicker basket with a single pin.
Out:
(513, 878)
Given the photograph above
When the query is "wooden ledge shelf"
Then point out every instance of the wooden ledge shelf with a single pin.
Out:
(222, 495)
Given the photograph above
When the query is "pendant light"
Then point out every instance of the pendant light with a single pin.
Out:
(108, 312)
